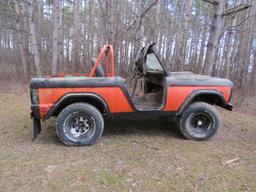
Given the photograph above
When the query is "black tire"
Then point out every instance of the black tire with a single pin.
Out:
(200, 121)
(79, 124)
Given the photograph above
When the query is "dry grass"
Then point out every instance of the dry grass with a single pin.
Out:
(131, 156)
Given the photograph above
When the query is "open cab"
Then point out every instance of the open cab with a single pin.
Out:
(81, 102)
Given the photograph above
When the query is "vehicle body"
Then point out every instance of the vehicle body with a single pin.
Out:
(177, 94)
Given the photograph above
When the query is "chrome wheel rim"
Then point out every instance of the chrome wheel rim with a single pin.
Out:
(80, 126)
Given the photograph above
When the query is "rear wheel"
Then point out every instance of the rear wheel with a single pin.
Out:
(200, 121)
(79, 124)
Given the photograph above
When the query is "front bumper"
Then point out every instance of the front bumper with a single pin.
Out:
(228, 107)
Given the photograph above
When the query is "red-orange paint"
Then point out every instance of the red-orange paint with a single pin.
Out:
(117, 100)
(176, 95)
(114, 97)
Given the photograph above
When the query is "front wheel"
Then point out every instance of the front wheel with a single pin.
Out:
(79, 124)
(200, 121)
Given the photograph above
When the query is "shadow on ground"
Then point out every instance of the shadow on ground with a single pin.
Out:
(125, 128)
(157, 126)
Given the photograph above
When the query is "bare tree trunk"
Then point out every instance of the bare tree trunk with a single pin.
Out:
(76, 46)
(183, 36)
(21, 42)
(67, 60)
(215, 34)
(230, 48)
(201, 55)
(253, 74)
(247, 52)
(216, 30)
(25, 35)
(38, 19)
(60, 40)
(56, 18)
(33, 37)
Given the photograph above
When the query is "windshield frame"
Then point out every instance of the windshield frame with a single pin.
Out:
(152, 51)
(153, 64)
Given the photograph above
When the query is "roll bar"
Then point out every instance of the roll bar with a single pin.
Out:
(108, 51)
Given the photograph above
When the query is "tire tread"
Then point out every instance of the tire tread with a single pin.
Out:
(75, 106)
(193, 107)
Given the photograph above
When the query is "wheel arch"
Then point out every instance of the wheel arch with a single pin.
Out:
(212, 97)
(70, 98)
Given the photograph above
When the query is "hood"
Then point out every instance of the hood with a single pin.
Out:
(190, 79)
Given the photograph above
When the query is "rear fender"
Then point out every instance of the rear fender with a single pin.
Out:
(75, 97)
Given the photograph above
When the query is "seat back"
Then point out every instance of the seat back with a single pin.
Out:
(100, 72)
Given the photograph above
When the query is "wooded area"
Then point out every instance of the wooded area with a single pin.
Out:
(213, 37)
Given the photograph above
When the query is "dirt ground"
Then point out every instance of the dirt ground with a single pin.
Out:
(148, 155)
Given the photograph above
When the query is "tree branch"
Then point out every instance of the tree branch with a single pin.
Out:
(236, 10)
(140, 17)
(149, 7)
(232, 27)
(210, 1)
(145, 12)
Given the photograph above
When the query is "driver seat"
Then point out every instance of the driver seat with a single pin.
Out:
(100, 72)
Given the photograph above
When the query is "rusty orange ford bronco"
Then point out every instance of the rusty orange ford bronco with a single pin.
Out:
(82, 102)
